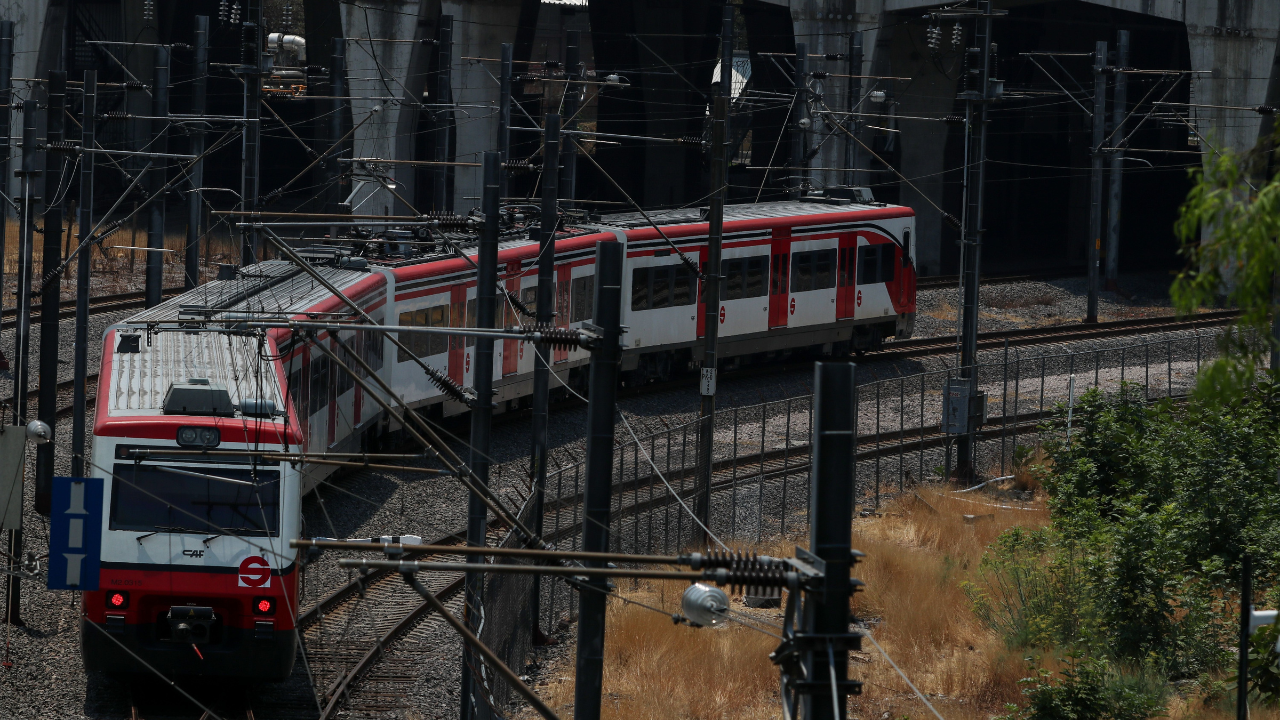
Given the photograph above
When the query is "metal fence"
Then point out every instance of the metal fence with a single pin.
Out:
(760, 453)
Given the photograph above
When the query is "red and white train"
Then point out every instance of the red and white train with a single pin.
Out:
(197, 577)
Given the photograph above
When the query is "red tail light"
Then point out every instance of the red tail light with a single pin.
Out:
(264, 606)
(117, 599)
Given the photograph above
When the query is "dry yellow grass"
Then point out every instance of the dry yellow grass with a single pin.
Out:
(918, 553)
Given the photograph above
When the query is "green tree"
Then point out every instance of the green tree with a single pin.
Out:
(1236, 258)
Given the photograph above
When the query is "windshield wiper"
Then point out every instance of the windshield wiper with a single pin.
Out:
(167, 529)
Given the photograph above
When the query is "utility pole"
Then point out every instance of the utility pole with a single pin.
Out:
(473, 704)
(605, 360)
(155, 229)
(826, 615)
(50, 297)
(250, 71)
(799, 124)
(88, 125)
(6, 142)
(853, 151)
(504, 111)
(977, 99)
(711, 273)
(545, 309)
(194, 200)
(337, 89)
(22, 339)
(572, 97)
(1117, 160)
(442, 201)
(1095, 185)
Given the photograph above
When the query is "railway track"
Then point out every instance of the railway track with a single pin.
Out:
(350, 632)
(936, 282)
(97, 306)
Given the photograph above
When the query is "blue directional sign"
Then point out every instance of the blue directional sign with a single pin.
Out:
(75, 533)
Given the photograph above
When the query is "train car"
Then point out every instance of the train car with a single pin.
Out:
(197, 577)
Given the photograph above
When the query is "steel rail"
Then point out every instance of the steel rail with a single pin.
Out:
(97, 306)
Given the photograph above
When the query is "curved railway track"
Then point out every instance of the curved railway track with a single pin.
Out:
(350, 632)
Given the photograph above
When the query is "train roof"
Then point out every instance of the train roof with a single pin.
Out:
(745, 211)
(272, 286)
(139, 380)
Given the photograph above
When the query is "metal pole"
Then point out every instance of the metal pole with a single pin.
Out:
(831, 502)
(545, 308)
(48, 401)
(504, 111)
(711, 308)
(198, 85)
(572, 96)
(1242, 668)
(159, 133)
(1117, 162)
(605, 360)
(442, 201)
(1095, 186)
(81, 360)
(799, 139)
(976, 124)
(250, 71)
(481, 424)
(338, 88)
(12, 594)
(6, 143)
(852, 150)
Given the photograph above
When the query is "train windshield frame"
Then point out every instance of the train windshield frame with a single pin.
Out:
(174, 498)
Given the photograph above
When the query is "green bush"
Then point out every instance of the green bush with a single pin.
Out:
(1090, 688)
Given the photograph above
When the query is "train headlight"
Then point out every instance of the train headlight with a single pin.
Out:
(199, 437)
(264, 606)
(117, 600)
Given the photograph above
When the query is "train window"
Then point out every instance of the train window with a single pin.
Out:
(406, 319)
(731, 280)
(438, 316)
(755, 276)
(371, 346)
(680, 288)
(342, 381)
(640, 289)
(660, 288)
(295, 389)
(421, 341)
(529, 298)
(562, 303)
(813, 270)
(146, 498)
(876, 264)
(583, 298)
(319, 382)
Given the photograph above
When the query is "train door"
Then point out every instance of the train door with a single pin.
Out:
(779, 262)
(847, 298)
(331, 386)
(510, 351)
(564, 278)
(457, 319)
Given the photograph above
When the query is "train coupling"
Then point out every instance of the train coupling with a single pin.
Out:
(190, 624)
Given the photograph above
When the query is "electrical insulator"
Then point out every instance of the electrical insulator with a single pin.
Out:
(288, 16)
(235, 13)
(223, 14)
(934, 35)
(956, 35)
(148, 9)
(704, 605)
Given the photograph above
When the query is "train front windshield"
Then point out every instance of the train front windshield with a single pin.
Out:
(212, 500)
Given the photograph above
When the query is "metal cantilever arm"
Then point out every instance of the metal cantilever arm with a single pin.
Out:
(470, 638)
